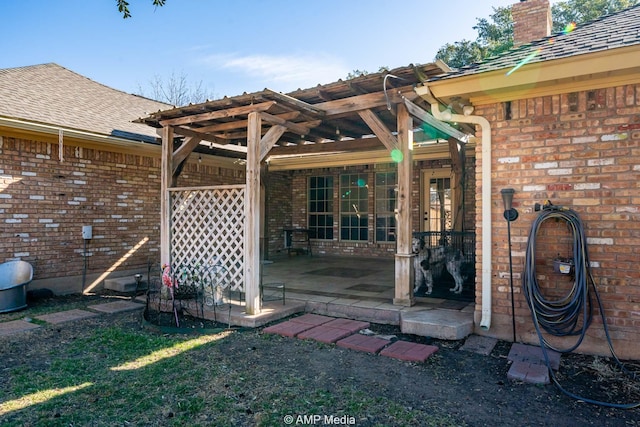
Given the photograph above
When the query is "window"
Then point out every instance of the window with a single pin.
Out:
(386, 192)
(354, 207)
(321, 207)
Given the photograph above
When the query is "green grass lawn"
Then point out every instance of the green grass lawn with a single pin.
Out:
(123, 375)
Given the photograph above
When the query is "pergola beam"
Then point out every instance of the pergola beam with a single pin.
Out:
(252, 217)
(293, 127)
(353, 104)
(166, 182)
(427, 118)
(212, 115)
(379, 129)
(242, 124)
(183, 152)
(297, 104)
(327, 147)
(457, 161)
(303, 126)
(269, 139)
(404, 257)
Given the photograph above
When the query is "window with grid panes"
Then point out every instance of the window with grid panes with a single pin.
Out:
(354, 207)
(321, 207)
(386, 193)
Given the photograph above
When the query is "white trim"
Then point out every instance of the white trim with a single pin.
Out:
(72, 133)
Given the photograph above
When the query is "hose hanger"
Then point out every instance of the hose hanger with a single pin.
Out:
(571, 314)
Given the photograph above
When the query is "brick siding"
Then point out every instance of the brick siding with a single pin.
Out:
(44, 202)
(581, 151)
(531, 20)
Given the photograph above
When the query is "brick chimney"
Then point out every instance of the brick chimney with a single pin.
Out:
(531, 21)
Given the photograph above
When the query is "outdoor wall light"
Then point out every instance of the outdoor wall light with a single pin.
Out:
(510, 214)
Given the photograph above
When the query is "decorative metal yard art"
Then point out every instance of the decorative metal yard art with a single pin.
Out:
(178, 291)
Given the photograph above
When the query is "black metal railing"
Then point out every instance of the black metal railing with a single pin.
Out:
(463, 240)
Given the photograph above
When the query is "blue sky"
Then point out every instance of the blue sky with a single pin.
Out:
(233, 46)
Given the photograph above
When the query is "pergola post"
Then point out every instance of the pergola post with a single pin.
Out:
(166, 182)
(403, 260)
(252, 216)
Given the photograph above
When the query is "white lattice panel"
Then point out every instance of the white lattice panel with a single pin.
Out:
(207, 226)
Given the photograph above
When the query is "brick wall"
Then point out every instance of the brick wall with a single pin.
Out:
(531, 20)
(44, 202)
(580, 150)
(283, 213)
(279, 198)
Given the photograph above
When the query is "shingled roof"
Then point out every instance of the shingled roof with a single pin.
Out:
(612, 31)
(53, 95)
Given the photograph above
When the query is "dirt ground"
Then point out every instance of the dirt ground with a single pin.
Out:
(471, 389)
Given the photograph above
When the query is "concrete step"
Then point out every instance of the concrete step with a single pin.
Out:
(368, 311)
(124, 284)
(437, 323)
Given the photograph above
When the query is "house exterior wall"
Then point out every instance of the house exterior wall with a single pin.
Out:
(292, 212)
(44, 202)
(579, 150)
(279, 200)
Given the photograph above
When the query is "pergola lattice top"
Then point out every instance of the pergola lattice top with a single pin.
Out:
(340, 116)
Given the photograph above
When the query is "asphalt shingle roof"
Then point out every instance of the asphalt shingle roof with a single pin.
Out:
(613, 31)
(53, 95)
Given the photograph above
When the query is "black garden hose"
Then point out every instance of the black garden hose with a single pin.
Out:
(571, 314)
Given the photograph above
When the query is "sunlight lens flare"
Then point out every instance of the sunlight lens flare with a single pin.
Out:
(524, 61)
(38, 397)
(166, 353)
(396, 155)
(569, 28)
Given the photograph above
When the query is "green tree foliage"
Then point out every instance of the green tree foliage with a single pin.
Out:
(495, 35)
(459, 54)
(123, 7)
(580, 11)
(359, 73)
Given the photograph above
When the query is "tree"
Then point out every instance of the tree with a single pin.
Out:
(359, 73)
(459, 54)
(176, 90)
(496, 35)
(580, 11)
(123, 7)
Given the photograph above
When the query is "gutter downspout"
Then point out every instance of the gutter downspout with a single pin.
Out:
(425, 93)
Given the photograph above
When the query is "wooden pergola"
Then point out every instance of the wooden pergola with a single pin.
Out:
(362, 114)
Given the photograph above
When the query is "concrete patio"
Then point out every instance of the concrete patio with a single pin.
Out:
(346, 287)
(362, 289)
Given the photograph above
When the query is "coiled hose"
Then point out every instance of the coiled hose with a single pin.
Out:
(571, 314)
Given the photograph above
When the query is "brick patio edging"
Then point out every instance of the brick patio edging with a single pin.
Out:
(345, 333)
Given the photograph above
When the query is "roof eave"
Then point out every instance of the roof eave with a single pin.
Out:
(36, 127)
(570, 74)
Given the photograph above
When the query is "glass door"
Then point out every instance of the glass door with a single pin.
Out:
(437, 201)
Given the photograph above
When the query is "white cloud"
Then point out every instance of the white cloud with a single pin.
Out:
(286, 72)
